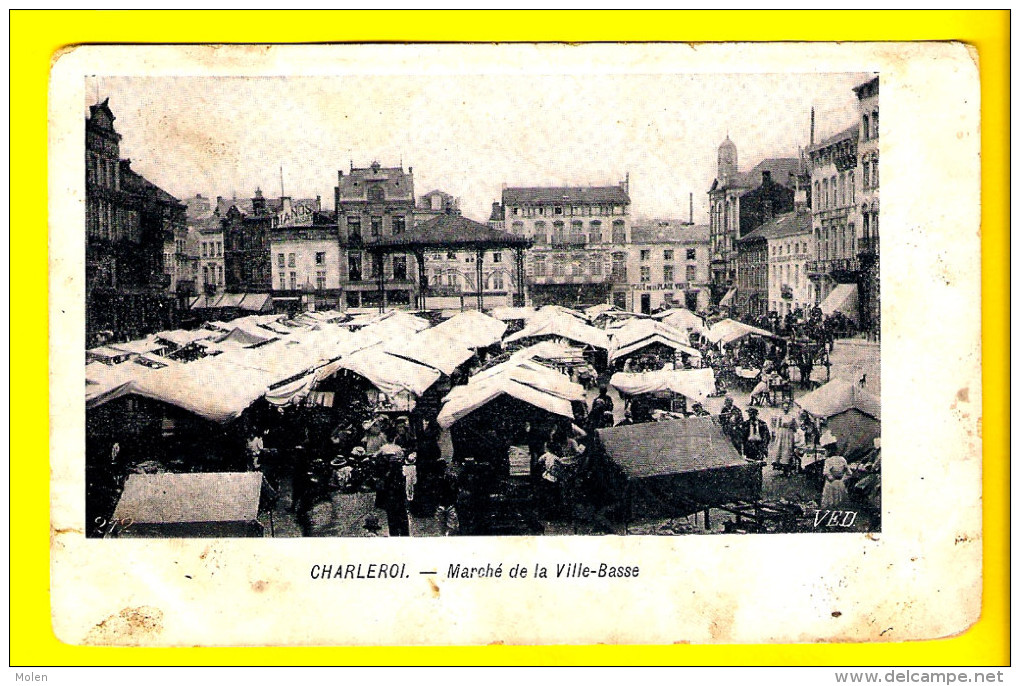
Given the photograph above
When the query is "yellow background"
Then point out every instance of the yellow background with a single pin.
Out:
(35, 37)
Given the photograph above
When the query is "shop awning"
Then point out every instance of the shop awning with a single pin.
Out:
(843, 298)
(388, 373)
(727, 300)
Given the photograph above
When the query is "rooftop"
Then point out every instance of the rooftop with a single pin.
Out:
(452, 231)
(789, 224)
(849, 133)
(565, 195)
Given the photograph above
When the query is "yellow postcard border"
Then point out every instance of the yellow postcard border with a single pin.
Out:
(36, 37)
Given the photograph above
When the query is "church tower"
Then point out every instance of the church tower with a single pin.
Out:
(727, 166)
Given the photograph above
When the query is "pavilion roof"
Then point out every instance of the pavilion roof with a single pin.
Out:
(451, 231)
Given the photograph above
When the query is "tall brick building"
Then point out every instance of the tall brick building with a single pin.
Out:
(131, 226)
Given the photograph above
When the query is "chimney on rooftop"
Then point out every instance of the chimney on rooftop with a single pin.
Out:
(691, 221)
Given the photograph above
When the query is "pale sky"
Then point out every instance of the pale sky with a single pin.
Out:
(467, 135)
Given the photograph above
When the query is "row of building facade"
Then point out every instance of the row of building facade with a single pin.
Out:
(780, 236)
(786, 234)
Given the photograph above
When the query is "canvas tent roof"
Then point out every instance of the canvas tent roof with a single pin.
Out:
(837, 397)
(141, 346)
(696, 384)
(181, 338)
(561, 326)
(677, 446)
(510, 313)
(550, 350)
(473, 329)
(640, 333)
(476, 395)
(388, 373)
(843, 298)
(682, 319)
(531, 374)
(187, 498)
(431, 347)
(729, 330)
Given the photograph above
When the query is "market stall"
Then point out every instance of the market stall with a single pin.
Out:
(673, 469)
(653, 343)
(189, 506)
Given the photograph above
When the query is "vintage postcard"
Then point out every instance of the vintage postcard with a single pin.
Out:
(532, 343)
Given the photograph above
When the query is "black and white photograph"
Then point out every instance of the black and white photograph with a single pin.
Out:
(363, 320)
(413, 339)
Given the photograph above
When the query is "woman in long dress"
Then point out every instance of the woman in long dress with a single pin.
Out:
(834, 492)
(786, 437)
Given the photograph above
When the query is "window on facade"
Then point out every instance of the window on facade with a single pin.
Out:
(619, 231)
(667, 255)
(865, 127)
(220, 270)
(866, 181)
(539, 266)
(559, 265)
(376, 226)
(293, 281)
(283, 281)
(842, 189)
(692, 253)
(280, 260)
(646, 255)
(646, 274)
(376, 261)
(291, 260)
(874, 124)
(353, 267)
(667, 273)
(596, 265)
(205, 274)
(451, 256)
(375, 194)
(517, 211)
(691, 273)
(354, 226)
(853, 197)
(400, 267)
(399, 225)
(497, 281)
(320, 258)
(825, 193)
(558, 211)
(497, 257)
(320, 281)
(874, 173)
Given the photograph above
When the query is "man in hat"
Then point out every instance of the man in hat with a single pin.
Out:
(599, 406)
(756, 436)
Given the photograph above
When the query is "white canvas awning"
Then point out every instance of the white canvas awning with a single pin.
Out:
(843, 298)
(433, 348)
(682, 319)
(480, 394)
(728, 331)
(561, 326)
(388, 373)
(696, 384)
(472, 329)
(640, 333)
(837, 397)
(727, 299)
